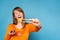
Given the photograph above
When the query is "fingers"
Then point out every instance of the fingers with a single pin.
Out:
(12, 32)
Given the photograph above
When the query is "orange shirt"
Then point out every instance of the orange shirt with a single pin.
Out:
(24, 32)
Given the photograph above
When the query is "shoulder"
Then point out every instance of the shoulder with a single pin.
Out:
(27, 24)
(10, 25)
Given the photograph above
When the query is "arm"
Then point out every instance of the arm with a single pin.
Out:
(7, 36)
(35, 25)
(33, 28)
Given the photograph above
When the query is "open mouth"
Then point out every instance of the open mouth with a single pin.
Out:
(19, 17)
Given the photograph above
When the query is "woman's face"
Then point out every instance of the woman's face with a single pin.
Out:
(18, 14)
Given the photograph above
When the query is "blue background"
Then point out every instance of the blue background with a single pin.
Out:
(47, 11)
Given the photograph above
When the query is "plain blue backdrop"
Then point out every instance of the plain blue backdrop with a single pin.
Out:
(47, 11)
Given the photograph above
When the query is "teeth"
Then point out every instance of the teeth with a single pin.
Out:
(19, 17)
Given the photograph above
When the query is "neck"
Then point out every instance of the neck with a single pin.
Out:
(19, 23)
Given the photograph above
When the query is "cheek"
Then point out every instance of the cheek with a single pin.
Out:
(16, 15)
(21, 15)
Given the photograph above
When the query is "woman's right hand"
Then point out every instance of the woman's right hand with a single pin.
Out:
(12, 32)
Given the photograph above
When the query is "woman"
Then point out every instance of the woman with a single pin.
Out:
(20, 30)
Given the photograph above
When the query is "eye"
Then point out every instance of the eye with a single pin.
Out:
(16, 13)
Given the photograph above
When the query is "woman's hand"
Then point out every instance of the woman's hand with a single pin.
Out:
(12, 32)
(36, 22)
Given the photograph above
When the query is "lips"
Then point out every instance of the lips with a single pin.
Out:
(19, 17)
